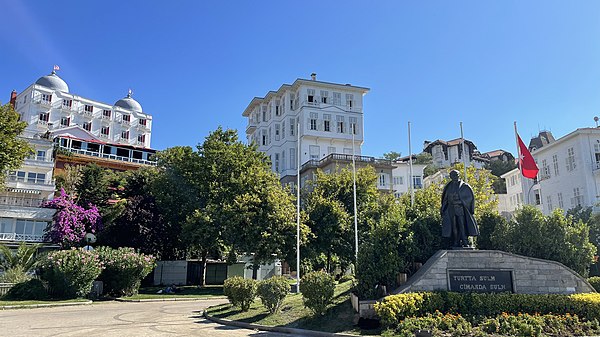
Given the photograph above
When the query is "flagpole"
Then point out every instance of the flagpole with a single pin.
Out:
(463, 151)
(410, 170)
(298, 211)
(354, 192)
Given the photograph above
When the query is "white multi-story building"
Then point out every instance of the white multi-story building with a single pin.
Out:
(447, 153)
(569, 173)
(322, 115)
(401, 183)
(83, 130)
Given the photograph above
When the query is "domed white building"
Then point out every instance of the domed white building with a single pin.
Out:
(115, 136)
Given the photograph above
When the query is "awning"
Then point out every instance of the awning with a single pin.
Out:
(23, 190)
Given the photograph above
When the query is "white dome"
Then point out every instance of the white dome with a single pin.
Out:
(129, 103)
(53, 82)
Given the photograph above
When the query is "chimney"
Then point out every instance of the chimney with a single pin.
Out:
(13, 98)
(313, 76)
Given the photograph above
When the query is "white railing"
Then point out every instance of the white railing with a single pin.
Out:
(41, 122)
(21, 237)
(42, 159)
(124, 122)
(5, 287)
(110, 156)
(20, 201)
(29, 181)
(42, 102)
(105, 118)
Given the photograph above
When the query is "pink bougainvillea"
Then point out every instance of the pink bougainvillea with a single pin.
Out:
(71, 221)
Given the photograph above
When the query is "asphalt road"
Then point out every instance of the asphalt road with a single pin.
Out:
(120, 319)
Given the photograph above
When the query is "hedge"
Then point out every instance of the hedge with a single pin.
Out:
(395, 308)
(240, 291)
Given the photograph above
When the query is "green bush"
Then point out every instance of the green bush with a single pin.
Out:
(70, 273)
(124, 270)
(395, 308)
(317, 290)
(273, 291)
(15, 275)
(346, 278)
(595, 282)
(438, 323)
(240, 291)
(29, 290)
(539, 325)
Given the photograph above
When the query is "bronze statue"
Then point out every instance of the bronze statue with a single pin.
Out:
(458, 207)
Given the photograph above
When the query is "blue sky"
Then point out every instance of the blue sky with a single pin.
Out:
(195, 65)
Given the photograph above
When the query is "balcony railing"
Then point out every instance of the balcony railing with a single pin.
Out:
(20, 201)
(109, 156)
(42, 123)
(42, 102)
(314, 163)
(21, 237)
(124, 122)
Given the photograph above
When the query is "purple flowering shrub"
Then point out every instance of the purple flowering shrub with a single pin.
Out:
(124, 270)
(71, 221)
(70, 273)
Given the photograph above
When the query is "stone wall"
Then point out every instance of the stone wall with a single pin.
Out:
(529, 275)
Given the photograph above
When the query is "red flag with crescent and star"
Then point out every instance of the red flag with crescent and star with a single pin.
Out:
(527, 164)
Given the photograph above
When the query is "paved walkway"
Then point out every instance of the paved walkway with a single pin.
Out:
(120, 319)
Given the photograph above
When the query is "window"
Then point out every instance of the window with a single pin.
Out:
(283, 130)
(30, 227)
(6, 225)
(67, 103)
(555, 164)
(87, 126)
(142, 121)
(105, 131)
(337, 98)
(417, 182)
(126, 119)
(276, 131)
(293, 158)
(264, 115)
(340, 124)
(324, 95)
(277, 162)
(277, 108)
(382, 179)
(125, 135)
(314, 151)
(549, 203)
(44, 116)
(36, 178)
(106, 114)
(291, 101)
(560, 201)
(313, 121)
(353, 122)
(283, 159)
(270, 136)
(46, 98)
(398, 180)
(41, 155)
(141, 139)
(264, 137)
(311, 96)
(577, 198)
(349, 100)
(327, 122)
(292, 126)
(538, 197)
(570, 159)
(18, 176)
(65, 121)
(89, 108)
(545, 169)
(330, 149)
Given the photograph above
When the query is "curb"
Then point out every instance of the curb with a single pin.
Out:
(173, 299)
(44, 305)
(301, 332)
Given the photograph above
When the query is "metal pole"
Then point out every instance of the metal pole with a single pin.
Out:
(410, 169)
(298, 211)
(463, 150)
(354, 191)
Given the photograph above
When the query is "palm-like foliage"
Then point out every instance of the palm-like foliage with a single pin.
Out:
(24, 257)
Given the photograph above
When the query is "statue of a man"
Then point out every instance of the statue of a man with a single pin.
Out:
(458, 207)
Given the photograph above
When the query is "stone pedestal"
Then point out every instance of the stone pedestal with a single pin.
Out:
(494, 271)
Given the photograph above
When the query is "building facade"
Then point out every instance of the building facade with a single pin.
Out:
(401, 177)
(321, 118)
(64, 128)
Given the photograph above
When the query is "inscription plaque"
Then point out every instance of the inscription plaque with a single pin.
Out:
(480, 280)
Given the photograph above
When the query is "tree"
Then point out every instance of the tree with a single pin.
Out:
(23, 258)
(423, 158)
(13, 149)
(498, 168)
(392, 155)
(69, 179)
(71, 222)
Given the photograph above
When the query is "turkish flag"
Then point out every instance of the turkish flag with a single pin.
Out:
(527, 164)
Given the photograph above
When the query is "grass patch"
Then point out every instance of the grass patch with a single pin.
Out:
(185, 292)
(32, 302)
(293, 314)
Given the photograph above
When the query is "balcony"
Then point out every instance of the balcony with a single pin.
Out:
(251, 127)
(43, 103)
(67, 109)
(39, 161)
(42, 123)
(140, 143)
(105, 118)
(24, 180)
(109, 156)
(124, 122)
(22, 201)
(21, 237)
(143, 127)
